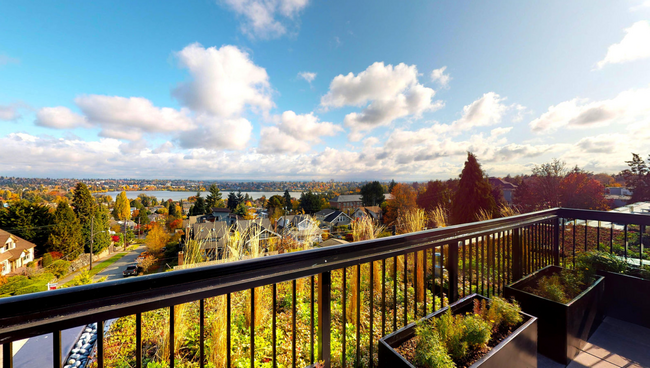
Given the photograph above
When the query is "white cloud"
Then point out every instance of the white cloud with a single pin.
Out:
(295, 133)
(627, 107)
(486, 111)
(308, 76)
(217, 134)
(9, 112)
(389, 92)
(164, 148)
(261, 16)
(4, 60)
(645, 4)
(60, 117)
(634, 46)
(225, 81)
(438, 75)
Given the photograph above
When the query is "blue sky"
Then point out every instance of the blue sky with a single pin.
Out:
(306, 89)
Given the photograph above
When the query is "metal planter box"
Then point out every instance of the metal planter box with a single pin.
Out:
(516, 351)
(627, 298)
(563, 328)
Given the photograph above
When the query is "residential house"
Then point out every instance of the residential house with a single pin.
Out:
(346, 202)
(337, 218)
(320, 215)
(507, 188)
(373, 212)
(15, 252)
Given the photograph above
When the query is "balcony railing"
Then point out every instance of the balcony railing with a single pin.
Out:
(404, 278)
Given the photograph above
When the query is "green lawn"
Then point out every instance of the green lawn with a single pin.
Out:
(101, 266)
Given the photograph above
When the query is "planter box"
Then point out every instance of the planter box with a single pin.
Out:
(516, 351)
(563, 328)
(627, 298)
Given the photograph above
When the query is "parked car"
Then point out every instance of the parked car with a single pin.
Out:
(131, 270)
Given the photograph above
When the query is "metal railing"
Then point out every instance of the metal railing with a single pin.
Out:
(397, 279)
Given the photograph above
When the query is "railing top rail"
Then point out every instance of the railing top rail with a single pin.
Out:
(33, 314)
(614, 217)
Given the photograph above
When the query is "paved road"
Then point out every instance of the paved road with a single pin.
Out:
(114, 271)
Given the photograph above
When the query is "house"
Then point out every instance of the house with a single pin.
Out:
(15, 252)
(301, 228)
(506, 187)
(346, 202)
(337, 218)
(320, 215)
(373, 212)
(186, 207)
(220, 214)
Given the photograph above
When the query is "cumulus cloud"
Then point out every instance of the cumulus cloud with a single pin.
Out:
(439, 76)
(485, 111)
(164, 148)
(266, 19)
(635, 45)
(628, 107)
(308, 76)
(224, 81)
(604, 143)
(388, 93)
(60, 117)
(295, 133)
(217, 134)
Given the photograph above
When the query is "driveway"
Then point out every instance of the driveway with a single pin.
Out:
(114, 271)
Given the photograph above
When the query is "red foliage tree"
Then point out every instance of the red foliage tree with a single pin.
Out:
(578, 190)
(403, 200)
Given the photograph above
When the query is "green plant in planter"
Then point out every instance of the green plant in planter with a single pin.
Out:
(564, 286)
(445, 341)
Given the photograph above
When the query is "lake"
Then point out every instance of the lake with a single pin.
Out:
(178, 195)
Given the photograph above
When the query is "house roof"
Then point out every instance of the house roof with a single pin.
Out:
(21, 245)
(374, 209)
(217, 209)
(501, 183)
(333, 216)
(333, 241)
(325, 212)
(346, 198)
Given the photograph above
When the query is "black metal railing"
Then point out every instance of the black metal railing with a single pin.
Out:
(340, 299)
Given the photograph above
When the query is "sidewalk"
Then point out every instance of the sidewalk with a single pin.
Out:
(72, 275)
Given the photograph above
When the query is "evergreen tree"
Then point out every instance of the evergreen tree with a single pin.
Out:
(102, 238)
(241, 210)
(27, 220)
(287, 200)
(391, 185)
(200, 207)
(436, 194)
(372, 194)
(232, 201)
(240, 198)
(310, 202)
(214, 198)
(173, 211)
(84, 207)
(474, 193)
(66, 233)
(637, 179)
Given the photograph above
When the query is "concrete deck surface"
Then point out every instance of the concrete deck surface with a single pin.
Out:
(615, 344)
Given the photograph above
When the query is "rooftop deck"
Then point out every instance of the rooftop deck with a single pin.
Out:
(309, 299)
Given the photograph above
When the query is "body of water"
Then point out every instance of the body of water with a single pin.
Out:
(176, 196)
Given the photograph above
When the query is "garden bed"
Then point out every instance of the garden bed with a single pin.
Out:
(519, 349)
(627, 298)
(563, 327)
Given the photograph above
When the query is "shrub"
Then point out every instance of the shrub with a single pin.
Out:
(430, 351)
(477, 331)
(501, 314)
(47, 259)
(14, 283)
(59, 268)
(33, 288)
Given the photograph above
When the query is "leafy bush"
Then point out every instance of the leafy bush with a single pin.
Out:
(477, 331)
(33, 288)
(14, 283)
(47, 259)
(83, 278)
(562, 287)
(59, 268)
(500, 313)
(431, 352)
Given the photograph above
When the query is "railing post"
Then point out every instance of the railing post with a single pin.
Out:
(324, 317)
(517, 255)
(452, 268)
(556, 241)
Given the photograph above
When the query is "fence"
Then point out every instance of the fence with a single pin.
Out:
(328, 305)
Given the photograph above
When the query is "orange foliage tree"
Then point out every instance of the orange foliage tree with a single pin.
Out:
(404, 199)
(578, 190)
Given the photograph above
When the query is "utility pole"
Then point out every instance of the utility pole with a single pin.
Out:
(92, 239)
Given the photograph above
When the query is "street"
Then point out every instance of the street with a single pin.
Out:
(114, 271)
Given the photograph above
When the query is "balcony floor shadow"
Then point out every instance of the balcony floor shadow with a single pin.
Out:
(615, 344)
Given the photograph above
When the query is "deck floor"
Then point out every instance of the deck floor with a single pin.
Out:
(615, 344)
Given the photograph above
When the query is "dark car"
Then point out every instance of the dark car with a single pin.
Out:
(131, 270)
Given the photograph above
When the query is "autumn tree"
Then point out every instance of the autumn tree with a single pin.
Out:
(404, 200)
(66, 234)
(174, 212)
(637, 179)
(156, 239)
(436, 194)
(547, 178)
(274, 203)
(372, 194)
(122, 211)
(578, 190)
(473, 195)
